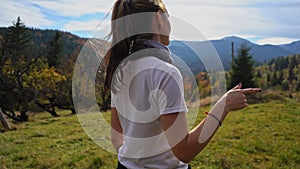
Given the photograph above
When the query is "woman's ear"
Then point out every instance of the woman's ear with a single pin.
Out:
(159, 19)
(161, 26)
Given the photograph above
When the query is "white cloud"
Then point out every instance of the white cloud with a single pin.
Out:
(90, 25)
(32, 16)
(205, 2)
(75, 8)
(276, 41)
(216, 22)
(81, 26)
(254, 18)
(92, 28)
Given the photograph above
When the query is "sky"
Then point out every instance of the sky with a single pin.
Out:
(260, 21)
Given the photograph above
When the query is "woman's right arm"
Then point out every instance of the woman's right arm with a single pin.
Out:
(116, 130)
(186, 145)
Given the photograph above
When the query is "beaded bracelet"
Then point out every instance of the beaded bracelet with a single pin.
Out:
(212, 115)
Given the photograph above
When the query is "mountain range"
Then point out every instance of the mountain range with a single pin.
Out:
(191, 51)
(195, 54)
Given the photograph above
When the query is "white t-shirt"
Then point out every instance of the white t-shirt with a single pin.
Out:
(146, 89)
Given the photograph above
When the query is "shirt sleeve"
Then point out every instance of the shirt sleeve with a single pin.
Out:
(170, 96)
(112, 103)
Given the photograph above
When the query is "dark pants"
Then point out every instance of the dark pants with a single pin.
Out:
(120, 166)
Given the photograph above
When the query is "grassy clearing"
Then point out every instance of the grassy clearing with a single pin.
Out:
(261, 136)
(264, 135)
(47, 142)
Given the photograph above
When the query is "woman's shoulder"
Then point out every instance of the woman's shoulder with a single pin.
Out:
(165, 68)
(149, 65)
(155, 62)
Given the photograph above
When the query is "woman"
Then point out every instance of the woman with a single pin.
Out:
(148, 115)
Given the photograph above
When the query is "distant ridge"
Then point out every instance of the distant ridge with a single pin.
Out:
(260, 53)
(293, 47)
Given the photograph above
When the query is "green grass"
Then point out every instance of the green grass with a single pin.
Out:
(261, 136)
(47, 142)
(264, 135)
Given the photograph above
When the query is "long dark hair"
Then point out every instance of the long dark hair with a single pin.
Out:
(120, 49)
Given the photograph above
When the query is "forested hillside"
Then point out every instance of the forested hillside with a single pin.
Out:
(36, 70)
(281, 73)
(41, 38)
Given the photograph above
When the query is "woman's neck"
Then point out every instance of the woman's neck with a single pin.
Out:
(164, 40)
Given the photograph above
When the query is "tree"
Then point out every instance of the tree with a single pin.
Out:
(298, 85)
(292, 75)
(291, 78)
(45, 84)
(60, 95)
(275, 80)
(293, 61)
(258, 75)
(4, 122)
(64, 98)
(16, 62)
(54, 50)
(1, 47)
(24, 74)
(47, 99)
(243, 70)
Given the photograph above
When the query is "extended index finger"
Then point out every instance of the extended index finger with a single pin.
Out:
(251, 90)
